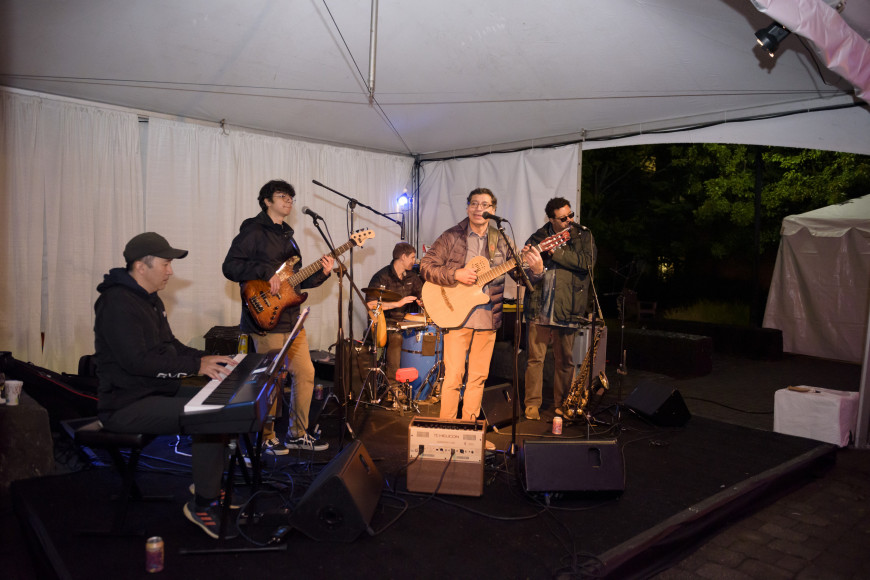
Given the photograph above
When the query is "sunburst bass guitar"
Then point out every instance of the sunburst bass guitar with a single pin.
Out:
(266, 307)
(449, 306)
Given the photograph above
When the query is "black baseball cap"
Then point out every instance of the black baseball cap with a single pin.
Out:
(151, 244)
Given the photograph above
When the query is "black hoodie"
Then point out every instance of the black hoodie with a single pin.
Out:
(137, 354)
(256, 254)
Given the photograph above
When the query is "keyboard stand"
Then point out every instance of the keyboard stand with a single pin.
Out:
(237, 459)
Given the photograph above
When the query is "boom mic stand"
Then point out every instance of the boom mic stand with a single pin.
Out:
(517, 330)
(352, 203)
(597, 315)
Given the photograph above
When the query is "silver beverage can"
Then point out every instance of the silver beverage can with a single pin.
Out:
(557, 425)
(154, 554)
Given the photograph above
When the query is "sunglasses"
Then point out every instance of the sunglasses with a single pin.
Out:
(563, 219)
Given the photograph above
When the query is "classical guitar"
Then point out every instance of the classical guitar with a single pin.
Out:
(449, 306)
(266, 307)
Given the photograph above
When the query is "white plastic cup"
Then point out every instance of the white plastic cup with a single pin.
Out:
(13, 392)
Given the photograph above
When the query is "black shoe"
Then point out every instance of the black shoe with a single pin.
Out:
(238, 499)
(209, 519)
(306, 443)
(274, 446)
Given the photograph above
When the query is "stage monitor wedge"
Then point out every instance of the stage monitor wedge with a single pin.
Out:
(566, 465)
(342, 498)
(661, 404)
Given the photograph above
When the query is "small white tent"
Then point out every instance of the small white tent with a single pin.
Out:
(820, 289)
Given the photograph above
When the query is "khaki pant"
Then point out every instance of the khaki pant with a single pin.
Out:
(539, 337)
(298, 364)
(476, 347)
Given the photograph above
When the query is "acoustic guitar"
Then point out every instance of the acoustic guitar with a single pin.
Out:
(266, 307)
(449, 306)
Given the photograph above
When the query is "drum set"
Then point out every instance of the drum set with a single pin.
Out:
(422, 349)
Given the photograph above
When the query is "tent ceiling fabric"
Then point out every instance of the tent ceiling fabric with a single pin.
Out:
(450, 75)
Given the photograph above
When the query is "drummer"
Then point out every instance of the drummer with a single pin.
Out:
(401, 295)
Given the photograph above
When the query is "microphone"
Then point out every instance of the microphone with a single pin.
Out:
(402, 225)
(490, 216)
(580, 227)
(311, 212)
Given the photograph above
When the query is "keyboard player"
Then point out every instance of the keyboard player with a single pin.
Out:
(140, 365)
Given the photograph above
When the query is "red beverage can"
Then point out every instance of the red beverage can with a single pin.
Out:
(557, 425)
(154, 554)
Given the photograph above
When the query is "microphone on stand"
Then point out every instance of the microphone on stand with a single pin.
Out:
(489, 216)
(312, 213)
(580, 227)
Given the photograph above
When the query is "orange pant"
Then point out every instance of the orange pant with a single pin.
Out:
(475, 347)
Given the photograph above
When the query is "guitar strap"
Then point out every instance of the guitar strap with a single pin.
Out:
(492, 242)
(492, 236)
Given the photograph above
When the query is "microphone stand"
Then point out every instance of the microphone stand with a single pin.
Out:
(342, 363)
(352, 203)
(596, 315)
(517, 330)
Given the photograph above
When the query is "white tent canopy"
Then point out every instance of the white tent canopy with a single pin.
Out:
(820, 291)
(448, 77)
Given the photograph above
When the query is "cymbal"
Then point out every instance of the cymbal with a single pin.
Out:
(382, 294)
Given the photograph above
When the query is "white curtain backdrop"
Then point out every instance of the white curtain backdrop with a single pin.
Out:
(522, 182)
(71, 196)
(202, 183)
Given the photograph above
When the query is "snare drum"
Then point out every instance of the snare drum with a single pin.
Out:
(422, 349)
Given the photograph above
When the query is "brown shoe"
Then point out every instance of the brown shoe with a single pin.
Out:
(532, 414)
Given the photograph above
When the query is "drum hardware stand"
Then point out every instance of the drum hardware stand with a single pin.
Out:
(376, 376)
(405, 377)
(436, 381)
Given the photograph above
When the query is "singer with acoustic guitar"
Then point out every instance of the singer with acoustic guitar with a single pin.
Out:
(260, 253)
(450, 263)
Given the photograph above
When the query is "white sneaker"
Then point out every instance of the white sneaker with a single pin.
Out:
(306, 443)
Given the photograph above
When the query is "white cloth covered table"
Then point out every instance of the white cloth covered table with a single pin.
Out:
(824, 414)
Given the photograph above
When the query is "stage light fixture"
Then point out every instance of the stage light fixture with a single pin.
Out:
(770, 36)
(402, 201)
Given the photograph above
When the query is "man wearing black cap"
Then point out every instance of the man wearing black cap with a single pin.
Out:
(140, 365)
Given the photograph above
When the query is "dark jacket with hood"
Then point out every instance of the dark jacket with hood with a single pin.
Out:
(137, 355)
(256, 253)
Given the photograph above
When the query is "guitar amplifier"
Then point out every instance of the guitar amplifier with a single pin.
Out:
(446, 456)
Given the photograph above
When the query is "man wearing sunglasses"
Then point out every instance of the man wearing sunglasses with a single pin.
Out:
(558, 305)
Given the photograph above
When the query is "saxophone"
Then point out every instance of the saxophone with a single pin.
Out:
(580, 391)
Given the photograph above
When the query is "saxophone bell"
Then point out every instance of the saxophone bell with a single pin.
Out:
(600, 384)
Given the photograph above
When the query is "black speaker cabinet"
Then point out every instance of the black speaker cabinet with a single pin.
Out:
(661, 404)
(342, 498)
(498, 404)
(573, 466)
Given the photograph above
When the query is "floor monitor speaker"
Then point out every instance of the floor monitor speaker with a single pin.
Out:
(661, 404)
(342, 498)
(576, 466)
(497, 404)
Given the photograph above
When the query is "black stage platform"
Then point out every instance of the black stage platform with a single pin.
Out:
(681, 483)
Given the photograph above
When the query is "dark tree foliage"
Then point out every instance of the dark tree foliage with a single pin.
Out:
(676, 222)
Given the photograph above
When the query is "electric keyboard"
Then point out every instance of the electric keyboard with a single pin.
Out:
(237, 403)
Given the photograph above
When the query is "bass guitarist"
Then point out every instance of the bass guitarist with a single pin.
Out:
(263, 244)
(445, 264)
